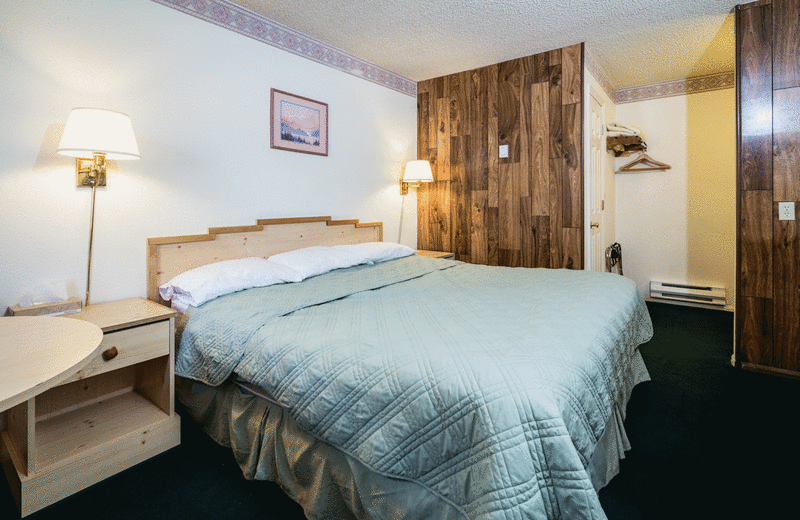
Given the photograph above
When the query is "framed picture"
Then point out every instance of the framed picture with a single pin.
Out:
(298, 124)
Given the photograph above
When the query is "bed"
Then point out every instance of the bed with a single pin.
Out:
(413, 387)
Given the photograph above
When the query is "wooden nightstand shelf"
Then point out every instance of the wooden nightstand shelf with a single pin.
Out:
(437, 254)
(115, 412)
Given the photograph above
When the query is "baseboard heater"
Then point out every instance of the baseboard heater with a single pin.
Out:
(688, 293)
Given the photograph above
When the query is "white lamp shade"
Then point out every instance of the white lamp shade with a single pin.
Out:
(418, 171)
(93, 130)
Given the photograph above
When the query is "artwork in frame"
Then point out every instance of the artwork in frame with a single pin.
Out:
(298, 124)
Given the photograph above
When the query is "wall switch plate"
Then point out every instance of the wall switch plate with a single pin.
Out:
(786, 211)
(504, 151)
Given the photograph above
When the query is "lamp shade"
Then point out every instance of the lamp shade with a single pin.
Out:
(93, 130)
(418, 171)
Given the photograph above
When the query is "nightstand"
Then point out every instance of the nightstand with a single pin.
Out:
(116, 411)
(437, 254)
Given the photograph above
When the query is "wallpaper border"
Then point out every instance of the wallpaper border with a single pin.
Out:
(257, 27)
(600, 75)
(678, 87)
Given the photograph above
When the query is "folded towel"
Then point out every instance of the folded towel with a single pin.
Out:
(622, 127)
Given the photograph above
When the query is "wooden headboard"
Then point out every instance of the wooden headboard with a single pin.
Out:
(167, 257)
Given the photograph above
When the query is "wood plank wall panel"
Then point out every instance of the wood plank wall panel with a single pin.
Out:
(754, 330)
(755, 240)
(556, 222)
(478, 130)
(786, 247)
(524, 210)
(571, 192)
(555, 112)
(540, 148)
(786, 144)
(768, 163)
(786, 56)
(572, 68)
(754, 35)
(479, 251)
(508, 108)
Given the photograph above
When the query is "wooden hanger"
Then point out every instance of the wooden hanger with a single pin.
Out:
(648, 162)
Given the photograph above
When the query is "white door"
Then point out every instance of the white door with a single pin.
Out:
(596, 185)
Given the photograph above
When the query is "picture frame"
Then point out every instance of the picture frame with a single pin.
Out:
(298, 124)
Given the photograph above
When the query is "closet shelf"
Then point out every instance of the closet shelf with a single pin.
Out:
(625, 144)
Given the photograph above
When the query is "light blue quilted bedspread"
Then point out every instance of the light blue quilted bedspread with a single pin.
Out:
(490, 386)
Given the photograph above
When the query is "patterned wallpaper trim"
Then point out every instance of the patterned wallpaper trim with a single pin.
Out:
(678, 87)
(600, 75)
(247, 23)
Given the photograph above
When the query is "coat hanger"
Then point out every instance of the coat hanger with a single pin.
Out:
(648, 162)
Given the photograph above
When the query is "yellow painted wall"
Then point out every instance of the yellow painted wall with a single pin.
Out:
(711, 187)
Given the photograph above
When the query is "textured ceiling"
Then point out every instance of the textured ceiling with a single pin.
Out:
(635, 41)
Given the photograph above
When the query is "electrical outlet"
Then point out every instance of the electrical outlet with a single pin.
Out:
(786, 211)
(504, 151)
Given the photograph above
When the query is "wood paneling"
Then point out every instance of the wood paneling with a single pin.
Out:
(786, 57)
(754, 330)
(492, 234)
(572, 68)
(754, 36)
(523, 210)
(554, 115)
(755, 241)
(540, 68)
(509, 206)
(571, 188)
(479, 143)
(786, 250)
(442, 139)
(508, 108)
(768, 163)
(540, 241)
(493, 162)
(479, 245)
(572, 239)
(540, 148)
(786, 144)
(556, 240)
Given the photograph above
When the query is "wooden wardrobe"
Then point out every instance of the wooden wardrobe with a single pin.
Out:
(768, 172)
(525, 209)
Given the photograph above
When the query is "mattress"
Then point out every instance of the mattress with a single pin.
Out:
(495, 391)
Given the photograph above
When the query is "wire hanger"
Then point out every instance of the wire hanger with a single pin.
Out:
(649, 164)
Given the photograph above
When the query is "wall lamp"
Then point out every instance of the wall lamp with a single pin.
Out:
(93, 135)
(416, 173)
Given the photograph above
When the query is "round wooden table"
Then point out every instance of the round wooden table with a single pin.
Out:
(38, 353)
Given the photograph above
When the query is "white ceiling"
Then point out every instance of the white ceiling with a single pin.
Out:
(635, 41)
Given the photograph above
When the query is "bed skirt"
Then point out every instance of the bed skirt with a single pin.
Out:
(328, 483)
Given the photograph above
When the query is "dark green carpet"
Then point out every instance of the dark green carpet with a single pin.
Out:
(708, 441)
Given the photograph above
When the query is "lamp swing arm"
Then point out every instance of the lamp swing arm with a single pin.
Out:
(102, 134)
(91, 239)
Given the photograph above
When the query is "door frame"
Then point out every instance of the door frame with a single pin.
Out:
(590, 92)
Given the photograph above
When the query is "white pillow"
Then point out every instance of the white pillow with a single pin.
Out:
(314, 260)
(378, 251)
(210, 281)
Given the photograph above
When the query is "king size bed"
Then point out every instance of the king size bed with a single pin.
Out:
(400, 386)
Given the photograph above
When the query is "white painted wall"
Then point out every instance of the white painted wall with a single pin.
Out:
(679, 225)
(198, 97)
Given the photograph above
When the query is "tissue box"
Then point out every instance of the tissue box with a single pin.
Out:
(47, 309)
